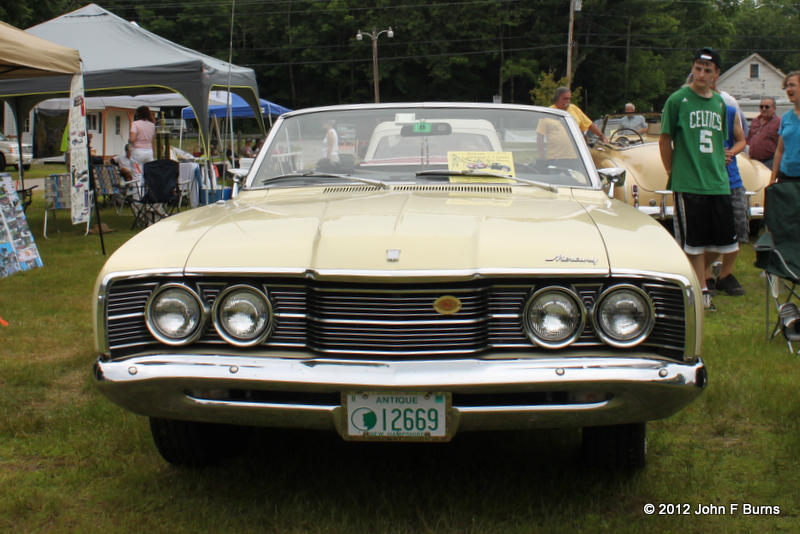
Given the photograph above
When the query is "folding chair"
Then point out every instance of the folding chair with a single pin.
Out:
(107, 181)
(26, 196)
(57, 196)
(778, 253)
(160, 194)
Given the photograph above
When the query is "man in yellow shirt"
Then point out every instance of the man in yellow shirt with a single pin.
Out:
(559, 143)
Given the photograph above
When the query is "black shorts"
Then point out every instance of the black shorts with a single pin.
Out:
(705, 223)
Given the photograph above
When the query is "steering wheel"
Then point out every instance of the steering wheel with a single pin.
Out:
(615, 137)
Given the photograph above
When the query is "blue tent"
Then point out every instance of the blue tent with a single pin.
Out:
(239, 109)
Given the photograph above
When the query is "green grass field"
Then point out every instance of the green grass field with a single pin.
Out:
(71, 461)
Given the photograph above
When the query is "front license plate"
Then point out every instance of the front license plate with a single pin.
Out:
(391, 416)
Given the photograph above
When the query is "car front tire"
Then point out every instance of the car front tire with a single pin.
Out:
(2, 162)
(194, 444)
(615, 447)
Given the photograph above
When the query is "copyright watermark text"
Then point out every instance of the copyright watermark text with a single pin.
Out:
(734, 508)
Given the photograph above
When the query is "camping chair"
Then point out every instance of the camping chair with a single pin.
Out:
(26, 196)
(57, 196)
(778, 253)
(159, 195)
(107, 181)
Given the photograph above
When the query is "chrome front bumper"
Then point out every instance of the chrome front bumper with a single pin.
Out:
(13, 159)
(587, 391)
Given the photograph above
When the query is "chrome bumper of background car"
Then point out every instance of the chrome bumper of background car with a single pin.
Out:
(663, 211)
(487, 394)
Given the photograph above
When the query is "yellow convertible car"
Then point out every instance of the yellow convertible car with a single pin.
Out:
(446, 268)
(636, 150)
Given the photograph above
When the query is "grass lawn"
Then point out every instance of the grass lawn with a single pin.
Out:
(71, 461)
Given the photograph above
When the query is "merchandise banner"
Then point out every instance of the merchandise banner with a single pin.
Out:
(18, 250)
(78, 153)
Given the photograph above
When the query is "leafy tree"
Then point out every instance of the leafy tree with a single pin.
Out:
(305, 53)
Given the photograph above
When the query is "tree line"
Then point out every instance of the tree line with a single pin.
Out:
(305, 52)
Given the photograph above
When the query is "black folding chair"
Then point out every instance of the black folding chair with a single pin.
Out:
(778, 253)
(159, 195)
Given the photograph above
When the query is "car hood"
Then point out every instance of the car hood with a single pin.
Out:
(495, 229)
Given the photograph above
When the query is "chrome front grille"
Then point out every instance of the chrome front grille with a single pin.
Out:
(397, 321)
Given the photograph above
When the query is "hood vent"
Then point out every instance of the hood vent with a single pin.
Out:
(458, 188)
(351, 189)
(444, 188)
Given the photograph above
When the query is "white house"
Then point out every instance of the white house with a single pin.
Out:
(752, 79)
(109, 119)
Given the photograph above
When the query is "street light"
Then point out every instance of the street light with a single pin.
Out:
(374, 36)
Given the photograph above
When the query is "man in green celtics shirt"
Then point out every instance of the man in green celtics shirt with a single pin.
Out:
(693, 132)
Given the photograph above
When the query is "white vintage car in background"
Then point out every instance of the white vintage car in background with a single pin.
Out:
(453, 268)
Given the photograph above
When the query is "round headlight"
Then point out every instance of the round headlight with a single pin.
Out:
(175, 315)
(243, 315)
(624, 316)
(554, 317)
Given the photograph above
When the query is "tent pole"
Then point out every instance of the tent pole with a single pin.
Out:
(94, 196)
(230, 95)
(20, 123)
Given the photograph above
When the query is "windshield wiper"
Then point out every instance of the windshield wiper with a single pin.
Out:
(317, 174)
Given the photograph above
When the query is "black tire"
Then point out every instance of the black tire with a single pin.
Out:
(615, 447)
(2, 162)
(196, 445)
(25, 167)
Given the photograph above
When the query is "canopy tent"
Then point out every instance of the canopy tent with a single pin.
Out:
(26, 56)
(239, 108)
(130, 102)
(120, 58)
(30, 59)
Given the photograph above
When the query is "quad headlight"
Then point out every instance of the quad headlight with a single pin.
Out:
(175, 314)
(243, 315)
(554, 317)
(624, 316)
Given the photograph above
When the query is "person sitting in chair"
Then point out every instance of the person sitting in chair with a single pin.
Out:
(131, 171)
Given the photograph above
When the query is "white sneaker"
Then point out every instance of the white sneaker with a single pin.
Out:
(708, 304)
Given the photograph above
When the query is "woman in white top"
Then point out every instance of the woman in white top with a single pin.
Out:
(330, 145)
(143, 135)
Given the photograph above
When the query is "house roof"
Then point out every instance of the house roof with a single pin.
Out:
(745, 63)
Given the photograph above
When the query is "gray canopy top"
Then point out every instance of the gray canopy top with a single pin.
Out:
(120, 58)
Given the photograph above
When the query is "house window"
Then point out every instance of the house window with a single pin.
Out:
(118, 125)
(754, 70)
(93, 123)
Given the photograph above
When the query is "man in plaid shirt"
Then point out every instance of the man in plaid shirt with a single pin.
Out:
(763, 135)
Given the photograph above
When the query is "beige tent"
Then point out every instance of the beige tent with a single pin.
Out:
(23, 55)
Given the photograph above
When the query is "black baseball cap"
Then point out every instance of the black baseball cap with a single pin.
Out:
(709, 54)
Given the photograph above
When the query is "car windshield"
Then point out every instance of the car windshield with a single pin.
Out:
(392, 144)
(628, 121)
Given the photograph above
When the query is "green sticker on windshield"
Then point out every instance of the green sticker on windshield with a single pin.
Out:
(422, 127)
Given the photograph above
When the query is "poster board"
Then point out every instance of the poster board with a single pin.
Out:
(78, 153)
(18, 251)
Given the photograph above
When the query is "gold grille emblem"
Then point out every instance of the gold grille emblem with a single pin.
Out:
(447, 305)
